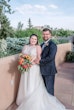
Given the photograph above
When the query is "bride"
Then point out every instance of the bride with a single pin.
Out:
(32, 94)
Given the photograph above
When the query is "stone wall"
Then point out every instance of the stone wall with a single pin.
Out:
(9, 75)
(9, 80)
(61, 52)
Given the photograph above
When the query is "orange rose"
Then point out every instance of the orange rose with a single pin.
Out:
(21, 60)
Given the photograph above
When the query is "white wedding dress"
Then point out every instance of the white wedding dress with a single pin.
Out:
(32, 94)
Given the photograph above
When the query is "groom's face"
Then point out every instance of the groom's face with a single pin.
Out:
(46, 35)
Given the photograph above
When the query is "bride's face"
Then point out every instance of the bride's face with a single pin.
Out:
(33, 40)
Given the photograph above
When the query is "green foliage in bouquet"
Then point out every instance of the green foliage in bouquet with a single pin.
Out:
(24, 62)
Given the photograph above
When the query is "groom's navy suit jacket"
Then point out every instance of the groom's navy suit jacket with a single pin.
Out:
(47, 62)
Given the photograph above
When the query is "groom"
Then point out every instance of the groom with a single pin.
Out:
(47, 62)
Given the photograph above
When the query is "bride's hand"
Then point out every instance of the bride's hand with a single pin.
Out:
(36, 61)
(33, 62)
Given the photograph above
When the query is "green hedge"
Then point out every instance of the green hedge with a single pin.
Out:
(11, 46)
(69, 56)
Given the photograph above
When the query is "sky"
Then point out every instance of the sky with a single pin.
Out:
(55, 13)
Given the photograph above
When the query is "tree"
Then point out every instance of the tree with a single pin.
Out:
(5, 28)
(30, 24)
(20, 26)
(38, 32)
(5, 7)
(47, 26)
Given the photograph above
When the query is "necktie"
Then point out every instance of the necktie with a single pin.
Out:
(43, 46)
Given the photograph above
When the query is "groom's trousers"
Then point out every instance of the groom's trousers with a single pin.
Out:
(49, 83)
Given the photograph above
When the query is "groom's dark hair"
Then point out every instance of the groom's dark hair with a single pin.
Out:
(47, 29)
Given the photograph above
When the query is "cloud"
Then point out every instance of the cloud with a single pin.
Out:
(24, 8)
(53, 6)
(40, 7)
(28, 8)
(49, 14)
(36, 9)
(65, 22)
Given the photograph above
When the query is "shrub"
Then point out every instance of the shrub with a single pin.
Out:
(60, 40)
(55, 41)
(69, 56)
(12, 46)
(3, 48)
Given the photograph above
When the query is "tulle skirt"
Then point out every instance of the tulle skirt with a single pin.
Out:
(32, 94)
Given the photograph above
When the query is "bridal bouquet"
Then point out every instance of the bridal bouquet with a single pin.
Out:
(24, 62)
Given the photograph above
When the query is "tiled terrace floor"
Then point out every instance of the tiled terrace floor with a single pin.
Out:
(64, 86)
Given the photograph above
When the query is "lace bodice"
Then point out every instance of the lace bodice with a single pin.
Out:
(31, 50)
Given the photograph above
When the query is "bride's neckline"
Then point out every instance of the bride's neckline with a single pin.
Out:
(32, 45)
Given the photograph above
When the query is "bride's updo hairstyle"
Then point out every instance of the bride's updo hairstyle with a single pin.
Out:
(32, 36)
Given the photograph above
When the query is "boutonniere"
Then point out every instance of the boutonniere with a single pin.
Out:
(46, 44)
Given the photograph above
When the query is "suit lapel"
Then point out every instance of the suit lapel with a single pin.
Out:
(47, 45)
